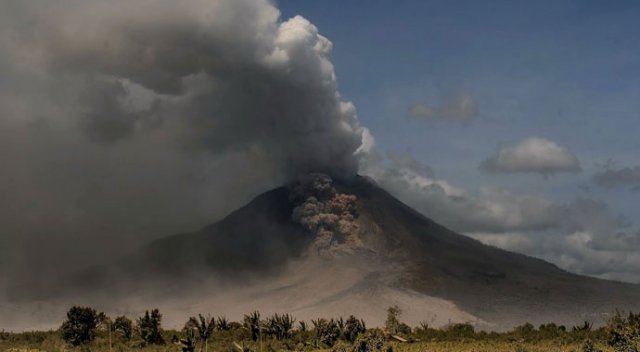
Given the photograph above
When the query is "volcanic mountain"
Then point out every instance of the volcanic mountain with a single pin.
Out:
(322, 247)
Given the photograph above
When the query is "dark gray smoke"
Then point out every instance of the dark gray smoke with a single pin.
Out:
(325, 212)
(121, 120)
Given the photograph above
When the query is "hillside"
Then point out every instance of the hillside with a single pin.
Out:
(390, 254)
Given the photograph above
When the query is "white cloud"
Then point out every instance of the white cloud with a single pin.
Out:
(583, 236)
(486, 210)
(532, 155)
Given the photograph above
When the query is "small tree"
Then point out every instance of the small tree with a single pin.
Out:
(124, 326)
(392, 325)
(149, 327)
(81, 325)
(204, 327)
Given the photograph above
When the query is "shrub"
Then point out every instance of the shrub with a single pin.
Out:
(588, 346)
(353, 327)
(372, 341)
(458, 331)
(624, 333)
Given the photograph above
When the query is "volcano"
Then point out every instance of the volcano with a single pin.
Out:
(321, 247)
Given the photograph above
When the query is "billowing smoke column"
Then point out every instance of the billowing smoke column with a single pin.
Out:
(137, 118)
(216, 76)
(326, 213)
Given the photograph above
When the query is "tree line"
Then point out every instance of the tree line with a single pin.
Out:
(621, 333)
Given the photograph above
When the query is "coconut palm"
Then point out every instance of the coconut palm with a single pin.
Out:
(252, 323)
(279, 326)
(223, 324)
(203, 327)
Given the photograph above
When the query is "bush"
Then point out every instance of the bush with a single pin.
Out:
(624, 333)
(372, 341)
(81, 325)
(353, 327)
(458, 331)
(588, 346)
(327, 331)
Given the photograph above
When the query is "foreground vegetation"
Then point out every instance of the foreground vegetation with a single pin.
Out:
(87, 330)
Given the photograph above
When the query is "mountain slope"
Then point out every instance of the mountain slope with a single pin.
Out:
(387, 246)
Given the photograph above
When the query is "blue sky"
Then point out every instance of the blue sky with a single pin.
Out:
(566, 71)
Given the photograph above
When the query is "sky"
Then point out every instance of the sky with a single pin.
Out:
(513, 122)
(567, 72)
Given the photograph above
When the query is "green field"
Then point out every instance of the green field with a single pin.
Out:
(51, 341)
(86, 330)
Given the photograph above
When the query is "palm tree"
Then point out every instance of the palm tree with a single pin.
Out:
(286, 323)
(204, 327)
(302, 326)
(252, 323)
(223, 324)
(279, 326)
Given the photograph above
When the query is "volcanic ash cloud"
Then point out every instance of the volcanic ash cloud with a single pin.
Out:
(326, 213)
(122, 115)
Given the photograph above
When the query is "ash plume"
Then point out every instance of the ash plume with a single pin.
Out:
(121, 120)
(225, 75)
(326, 213)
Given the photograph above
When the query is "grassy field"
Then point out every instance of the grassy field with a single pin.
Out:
(52, 341)
(442, 346)
(278, 333)
(493, 346)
